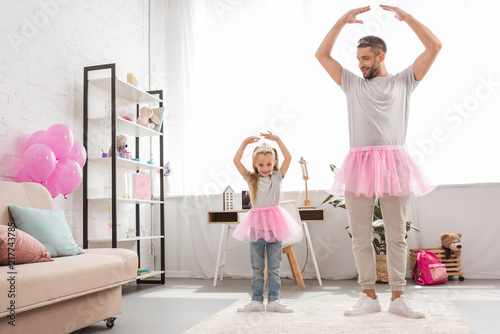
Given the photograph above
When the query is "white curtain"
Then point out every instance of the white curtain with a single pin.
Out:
(237, 67)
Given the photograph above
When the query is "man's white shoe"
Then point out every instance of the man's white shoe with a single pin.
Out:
(401, 306)
(364, 305)
(253, 306)
(276, 306)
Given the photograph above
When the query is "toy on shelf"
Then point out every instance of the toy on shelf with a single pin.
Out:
(110, 224)
(147, 118)
(228, 198)
(121, 145)
(305, 176)
(130, 232)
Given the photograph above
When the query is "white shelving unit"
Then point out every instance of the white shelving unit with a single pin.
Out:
(107, 167)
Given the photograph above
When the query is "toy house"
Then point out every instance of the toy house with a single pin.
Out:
(228, 199)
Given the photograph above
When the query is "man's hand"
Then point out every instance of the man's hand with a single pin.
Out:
(398, 12)
(432, 45)
(350, 16)
(323, 54)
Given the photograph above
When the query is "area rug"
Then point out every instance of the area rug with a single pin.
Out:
(327, 316)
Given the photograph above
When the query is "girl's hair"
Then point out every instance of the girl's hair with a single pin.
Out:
(254, 175)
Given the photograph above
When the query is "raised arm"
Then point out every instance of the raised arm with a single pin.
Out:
(239, 154)
(431, 43)
(323, 54)
(286, 154)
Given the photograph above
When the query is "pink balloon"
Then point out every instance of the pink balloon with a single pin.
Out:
(60, 139)
(67, 176)
(39, 162)
(22, 176)
(78, 153)
(37, 137)
(51, 186)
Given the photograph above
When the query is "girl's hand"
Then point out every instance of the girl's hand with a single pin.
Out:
(269, 136)
(251, 140)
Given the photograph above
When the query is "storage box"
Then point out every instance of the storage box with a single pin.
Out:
(453, 264)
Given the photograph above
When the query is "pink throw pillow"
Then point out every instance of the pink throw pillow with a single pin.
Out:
(26, 248)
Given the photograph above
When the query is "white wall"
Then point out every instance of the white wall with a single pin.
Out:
(471, 210)
(45, 45)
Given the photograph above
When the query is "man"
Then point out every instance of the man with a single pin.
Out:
(377, 164)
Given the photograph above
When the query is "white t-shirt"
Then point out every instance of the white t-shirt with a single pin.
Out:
(268, 190)
(378, 108)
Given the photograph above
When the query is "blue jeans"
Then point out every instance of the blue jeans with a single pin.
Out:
(274, 255)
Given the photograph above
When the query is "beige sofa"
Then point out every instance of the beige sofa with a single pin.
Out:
(66, 294)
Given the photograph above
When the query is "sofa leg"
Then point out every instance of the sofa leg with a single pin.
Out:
(110, 322)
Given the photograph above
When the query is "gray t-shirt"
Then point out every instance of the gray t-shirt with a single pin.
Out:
(378, 108)
(268, 190)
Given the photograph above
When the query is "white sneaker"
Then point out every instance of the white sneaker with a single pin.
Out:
(276, 306)
(401, 306)
(253, 306)
(364, 305)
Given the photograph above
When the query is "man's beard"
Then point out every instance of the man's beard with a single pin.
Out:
(373, 72)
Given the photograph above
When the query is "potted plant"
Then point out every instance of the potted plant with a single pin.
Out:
(379, 242)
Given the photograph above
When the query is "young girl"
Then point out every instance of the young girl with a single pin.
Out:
(266, 225)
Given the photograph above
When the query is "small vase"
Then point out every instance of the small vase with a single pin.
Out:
(167, 186)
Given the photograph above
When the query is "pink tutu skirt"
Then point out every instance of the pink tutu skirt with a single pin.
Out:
(379, 170)
(270, 223)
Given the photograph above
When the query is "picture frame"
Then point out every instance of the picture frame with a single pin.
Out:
(160, 113)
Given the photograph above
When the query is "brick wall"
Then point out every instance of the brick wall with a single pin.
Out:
(45, 45)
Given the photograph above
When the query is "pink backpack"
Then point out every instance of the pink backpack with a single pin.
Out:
(428, 269)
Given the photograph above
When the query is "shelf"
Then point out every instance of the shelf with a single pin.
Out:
(151, 274)
(128, 239)
(101, 176)
(126, 163)
(125, 90)
(125, 200)
(128, 127)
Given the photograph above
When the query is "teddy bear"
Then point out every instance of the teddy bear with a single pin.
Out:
(451, 243)
(147, 118)
(121, 145)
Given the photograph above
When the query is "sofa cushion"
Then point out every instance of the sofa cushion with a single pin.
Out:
(47, 226)
(20, 247)
(39, 284)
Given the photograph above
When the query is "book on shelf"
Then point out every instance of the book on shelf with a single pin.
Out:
(159, 112)
(141, 271)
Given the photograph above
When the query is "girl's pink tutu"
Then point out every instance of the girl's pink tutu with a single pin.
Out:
(270, 223)
(380, 170)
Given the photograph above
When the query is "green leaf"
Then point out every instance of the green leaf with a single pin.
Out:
(377, 210)
(332, 167)
(327, 199)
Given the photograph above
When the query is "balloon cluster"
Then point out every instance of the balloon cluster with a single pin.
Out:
(54, 159)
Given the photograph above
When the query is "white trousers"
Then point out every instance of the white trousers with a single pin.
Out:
(360, 214)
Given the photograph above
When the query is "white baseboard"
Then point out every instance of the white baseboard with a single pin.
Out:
(178, 274)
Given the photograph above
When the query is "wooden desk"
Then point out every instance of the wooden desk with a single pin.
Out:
(233, 216)
(227, 218)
